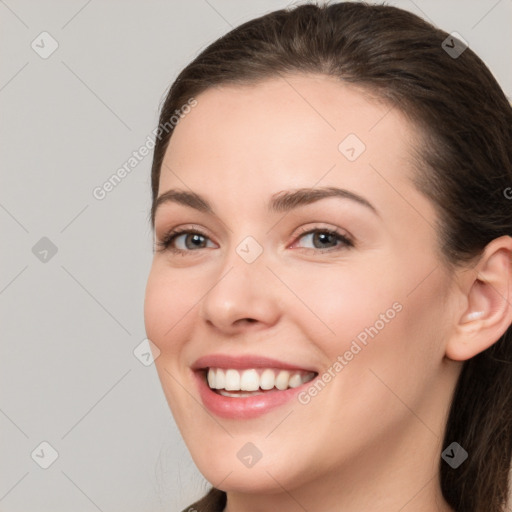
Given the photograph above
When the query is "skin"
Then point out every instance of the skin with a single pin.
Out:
(371, 439)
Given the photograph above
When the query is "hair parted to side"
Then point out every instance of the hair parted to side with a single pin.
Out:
(464, 167)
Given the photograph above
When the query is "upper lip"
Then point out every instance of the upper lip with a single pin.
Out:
(244, 362)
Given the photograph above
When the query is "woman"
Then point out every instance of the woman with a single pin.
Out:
(331, 291)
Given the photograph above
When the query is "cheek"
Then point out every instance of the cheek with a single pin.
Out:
(375, 312)
(167, 304)
(167, 307)
(384, 346)
(343, 303)
(399, 327)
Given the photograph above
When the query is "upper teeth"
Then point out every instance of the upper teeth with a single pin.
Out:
(252, 380)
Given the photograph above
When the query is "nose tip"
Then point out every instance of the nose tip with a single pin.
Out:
(240, 301)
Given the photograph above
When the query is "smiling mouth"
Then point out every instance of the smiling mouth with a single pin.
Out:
(233, 383)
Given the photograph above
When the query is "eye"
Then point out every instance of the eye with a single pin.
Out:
(191, 239)
(325, 240)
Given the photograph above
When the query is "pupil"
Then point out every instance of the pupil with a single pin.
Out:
(196, 238)
(327, 235)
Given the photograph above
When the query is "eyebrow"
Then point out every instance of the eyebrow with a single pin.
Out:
(283, 201)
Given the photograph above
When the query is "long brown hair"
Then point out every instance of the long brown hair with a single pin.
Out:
(464, 168)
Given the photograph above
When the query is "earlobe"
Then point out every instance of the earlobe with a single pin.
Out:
(488, 311)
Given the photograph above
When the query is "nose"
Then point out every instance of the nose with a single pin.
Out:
(241, 296)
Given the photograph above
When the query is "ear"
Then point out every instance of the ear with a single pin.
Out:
(487, 310)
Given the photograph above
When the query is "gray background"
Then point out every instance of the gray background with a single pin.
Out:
(70, 323)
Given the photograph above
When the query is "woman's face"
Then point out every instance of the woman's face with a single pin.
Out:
(361, 311)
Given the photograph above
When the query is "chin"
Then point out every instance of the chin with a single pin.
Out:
(228, 473)
(248, 481)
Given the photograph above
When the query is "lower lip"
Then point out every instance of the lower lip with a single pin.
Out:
(244, 407)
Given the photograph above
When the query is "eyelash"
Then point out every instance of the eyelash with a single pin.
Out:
(165, 243)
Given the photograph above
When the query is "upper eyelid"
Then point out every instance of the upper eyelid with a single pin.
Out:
(302, 231)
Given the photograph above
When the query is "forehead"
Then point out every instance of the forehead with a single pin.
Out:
(293, 131)
(292, 117)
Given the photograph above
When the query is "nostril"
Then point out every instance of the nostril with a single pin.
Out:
(248, 320)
